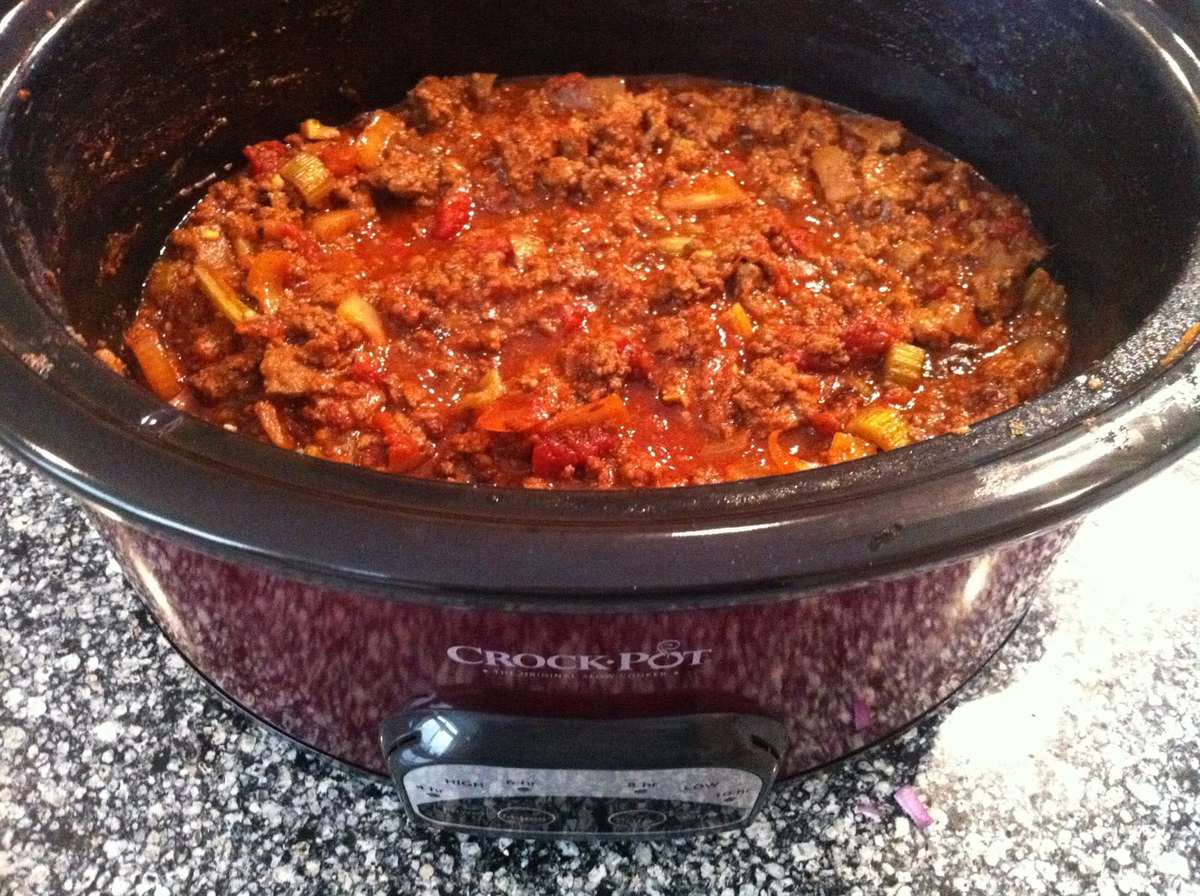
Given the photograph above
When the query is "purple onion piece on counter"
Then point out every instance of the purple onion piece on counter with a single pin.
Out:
(910, 802)
(869, 809)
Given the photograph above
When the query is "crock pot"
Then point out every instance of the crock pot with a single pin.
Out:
(577, 664)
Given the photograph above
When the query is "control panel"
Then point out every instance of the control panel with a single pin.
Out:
(572, 778)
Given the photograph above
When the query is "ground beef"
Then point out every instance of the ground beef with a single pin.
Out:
(407, 174)
(285, 371)
(772, 394)
(599, 282)
(226, 378)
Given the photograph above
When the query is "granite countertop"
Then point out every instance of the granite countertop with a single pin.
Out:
(1071, 766)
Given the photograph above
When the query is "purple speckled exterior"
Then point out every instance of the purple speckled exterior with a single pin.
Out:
(326, 665)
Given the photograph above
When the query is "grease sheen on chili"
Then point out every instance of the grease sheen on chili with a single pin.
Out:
(599, 282)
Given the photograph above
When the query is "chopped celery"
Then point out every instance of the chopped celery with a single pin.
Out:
(904, 364)
(329, 226)
(312, 129)
(221, 294)
(882, 426)
(309, 176)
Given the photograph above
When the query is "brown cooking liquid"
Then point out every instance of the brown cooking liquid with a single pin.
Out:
(574, 282)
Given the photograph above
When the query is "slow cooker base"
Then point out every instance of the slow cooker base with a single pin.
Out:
(325, 664)
(245, 712)
(642, 819)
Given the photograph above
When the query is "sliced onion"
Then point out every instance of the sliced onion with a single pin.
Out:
(273, 426)
(869, 809)
(834, 168)
(604, 411)
(908, 800)
(267, 276)
(490, 388)
(581, 94)
(374, 138)
(782, 460)
(158, 367)
(709, 192)
(358, 311)
(511, 413)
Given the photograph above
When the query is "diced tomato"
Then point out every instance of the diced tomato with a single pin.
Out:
(404, 451)
(864, 342)
(897, 395)
(369, 368)
(340, 158)
(452, 216)
(869, 336)
(553, 453)
(386, 255)
(295, 237)
(783, 283)
(641, 360)
(386, 424)
(266, 157)
(824, 422)
(573, 317)
(807, 241)
(552, 456)
(813, 362)
(404, 454)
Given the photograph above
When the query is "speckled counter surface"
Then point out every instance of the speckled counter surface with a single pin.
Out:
(1071, 766)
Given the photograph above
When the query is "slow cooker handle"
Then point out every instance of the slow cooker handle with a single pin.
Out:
(548, 778)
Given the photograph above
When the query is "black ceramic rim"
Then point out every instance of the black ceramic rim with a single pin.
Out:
(1022, 472)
